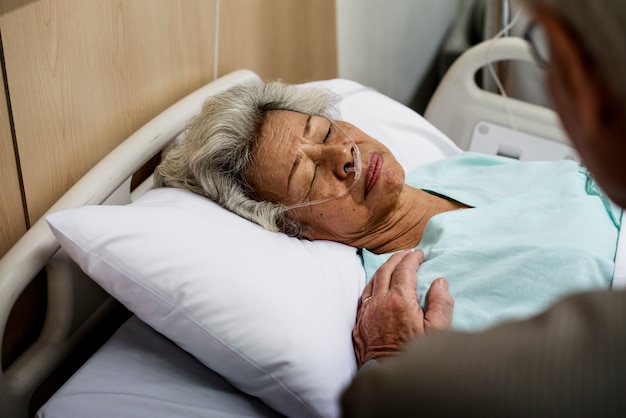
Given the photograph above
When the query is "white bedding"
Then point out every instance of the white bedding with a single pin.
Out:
(139, 373)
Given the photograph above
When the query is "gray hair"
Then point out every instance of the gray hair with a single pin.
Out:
(218, 148)
(601, 27)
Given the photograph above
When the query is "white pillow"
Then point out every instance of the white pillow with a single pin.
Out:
(272, 314)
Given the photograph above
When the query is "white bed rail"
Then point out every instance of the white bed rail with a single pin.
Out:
(458, 103)
(107, 182)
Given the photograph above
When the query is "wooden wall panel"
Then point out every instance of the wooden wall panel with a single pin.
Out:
(84, 75)
(12, 220)
(8, 5)
(291, 40)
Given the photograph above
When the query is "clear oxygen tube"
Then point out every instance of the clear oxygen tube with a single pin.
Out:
(354, 168)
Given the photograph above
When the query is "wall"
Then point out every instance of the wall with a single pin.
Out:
(390, 44)
(12, 217)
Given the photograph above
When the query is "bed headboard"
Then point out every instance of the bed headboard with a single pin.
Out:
(106, 183)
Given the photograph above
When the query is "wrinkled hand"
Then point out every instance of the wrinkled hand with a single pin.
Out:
(389, 315)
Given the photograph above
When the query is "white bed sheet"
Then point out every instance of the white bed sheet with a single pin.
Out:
(139, 373)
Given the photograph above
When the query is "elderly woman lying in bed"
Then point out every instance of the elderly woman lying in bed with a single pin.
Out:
(510, 237)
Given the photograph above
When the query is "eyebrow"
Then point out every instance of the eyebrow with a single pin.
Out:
(296, 163)
(307, 126)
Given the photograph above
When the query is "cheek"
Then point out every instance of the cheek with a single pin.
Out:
(336, 223)
(393, 182)
(262, 190)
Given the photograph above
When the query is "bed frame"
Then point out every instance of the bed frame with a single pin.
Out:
(459, 107)
(456, 108)
(106, 183)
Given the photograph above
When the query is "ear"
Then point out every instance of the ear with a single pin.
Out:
(574, 75)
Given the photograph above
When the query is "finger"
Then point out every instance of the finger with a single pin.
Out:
(367, 290)
(382, 277)
(357, 344)
(439, 306)
(404, 275)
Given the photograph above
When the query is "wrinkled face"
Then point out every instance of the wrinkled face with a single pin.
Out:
(301, 158)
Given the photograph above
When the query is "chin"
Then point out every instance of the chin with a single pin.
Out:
(393, 180)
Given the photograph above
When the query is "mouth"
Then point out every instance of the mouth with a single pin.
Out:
(373, 171)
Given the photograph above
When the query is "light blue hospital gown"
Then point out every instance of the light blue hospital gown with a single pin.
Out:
(535, 232)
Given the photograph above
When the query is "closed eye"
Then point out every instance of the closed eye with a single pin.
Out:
(330, 131)
(328, 134)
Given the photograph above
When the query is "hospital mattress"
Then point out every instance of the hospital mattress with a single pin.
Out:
(139, 373)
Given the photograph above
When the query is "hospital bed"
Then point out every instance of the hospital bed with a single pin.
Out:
(221, 343)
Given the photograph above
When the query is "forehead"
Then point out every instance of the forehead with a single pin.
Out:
(280, 134)
(280, 123)
(276, 149)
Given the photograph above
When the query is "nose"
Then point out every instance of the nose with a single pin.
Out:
(339, 159)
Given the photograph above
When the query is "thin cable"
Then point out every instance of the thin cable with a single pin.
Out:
(216, 42)
(506, 15)
(505, 30)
